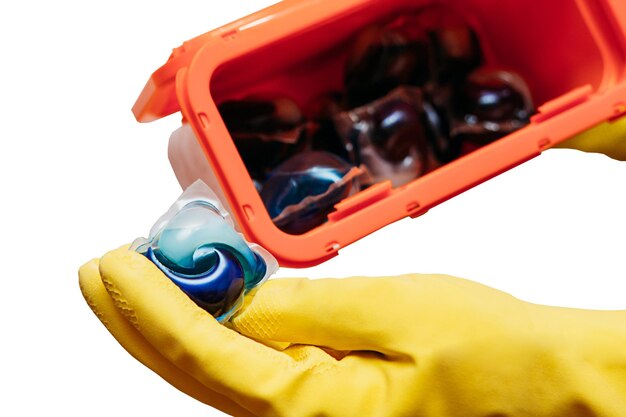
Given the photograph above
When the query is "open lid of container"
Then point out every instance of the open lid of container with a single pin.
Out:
(572, 53)
(158, 97)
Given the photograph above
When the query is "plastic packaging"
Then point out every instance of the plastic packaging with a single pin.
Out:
(196, 246)
(301, 49)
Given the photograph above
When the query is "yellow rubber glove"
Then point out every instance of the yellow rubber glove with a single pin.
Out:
(607, 138)
(412, 345)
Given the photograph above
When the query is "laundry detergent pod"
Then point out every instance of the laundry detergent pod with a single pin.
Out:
(437, 116)
(492, 104)
(387, 136)
(196, 246)
(384, 58)
(301, 192)
(266, 132)
(454, 44)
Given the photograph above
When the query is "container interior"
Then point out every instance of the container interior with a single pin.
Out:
(549, 44)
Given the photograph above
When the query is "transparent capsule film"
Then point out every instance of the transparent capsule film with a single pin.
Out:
(301, 193)
(387, 136)
(489, 105)
(196, 246)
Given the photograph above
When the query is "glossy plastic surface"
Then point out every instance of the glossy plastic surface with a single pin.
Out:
(571, 53)
(491, 104)
(301, 192)
(196, 246)
(387, 136)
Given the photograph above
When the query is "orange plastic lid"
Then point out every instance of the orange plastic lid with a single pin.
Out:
(572, 55)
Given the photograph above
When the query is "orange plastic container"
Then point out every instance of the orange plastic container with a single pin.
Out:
(572, 53)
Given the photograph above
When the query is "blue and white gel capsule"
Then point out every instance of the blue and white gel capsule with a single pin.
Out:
(196, 246)
(301, 192)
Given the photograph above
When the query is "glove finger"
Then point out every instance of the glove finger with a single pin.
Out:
(342, 314)
(102, 305)
(254, 375)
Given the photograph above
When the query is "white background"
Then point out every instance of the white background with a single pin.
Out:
(79, 177)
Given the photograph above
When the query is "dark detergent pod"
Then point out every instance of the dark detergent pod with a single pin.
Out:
(196, 246)
(395, 127)
(387, 136)
(261, 116)
(384, 58)
(265, 132)
(457, 52)
(302, 191)
(436, 121)
(322, 134)
(492, 104)
(454, 46)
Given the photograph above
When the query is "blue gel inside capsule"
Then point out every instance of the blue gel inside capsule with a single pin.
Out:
(192, 236)
(217, 290)
(202, 254)
(306, 175)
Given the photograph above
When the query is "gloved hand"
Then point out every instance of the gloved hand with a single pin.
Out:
(412, 345)
(607, 138)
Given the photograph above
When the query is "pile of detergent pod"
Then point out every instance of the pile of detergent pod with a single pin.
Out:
(196, 246)
(416, 95)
